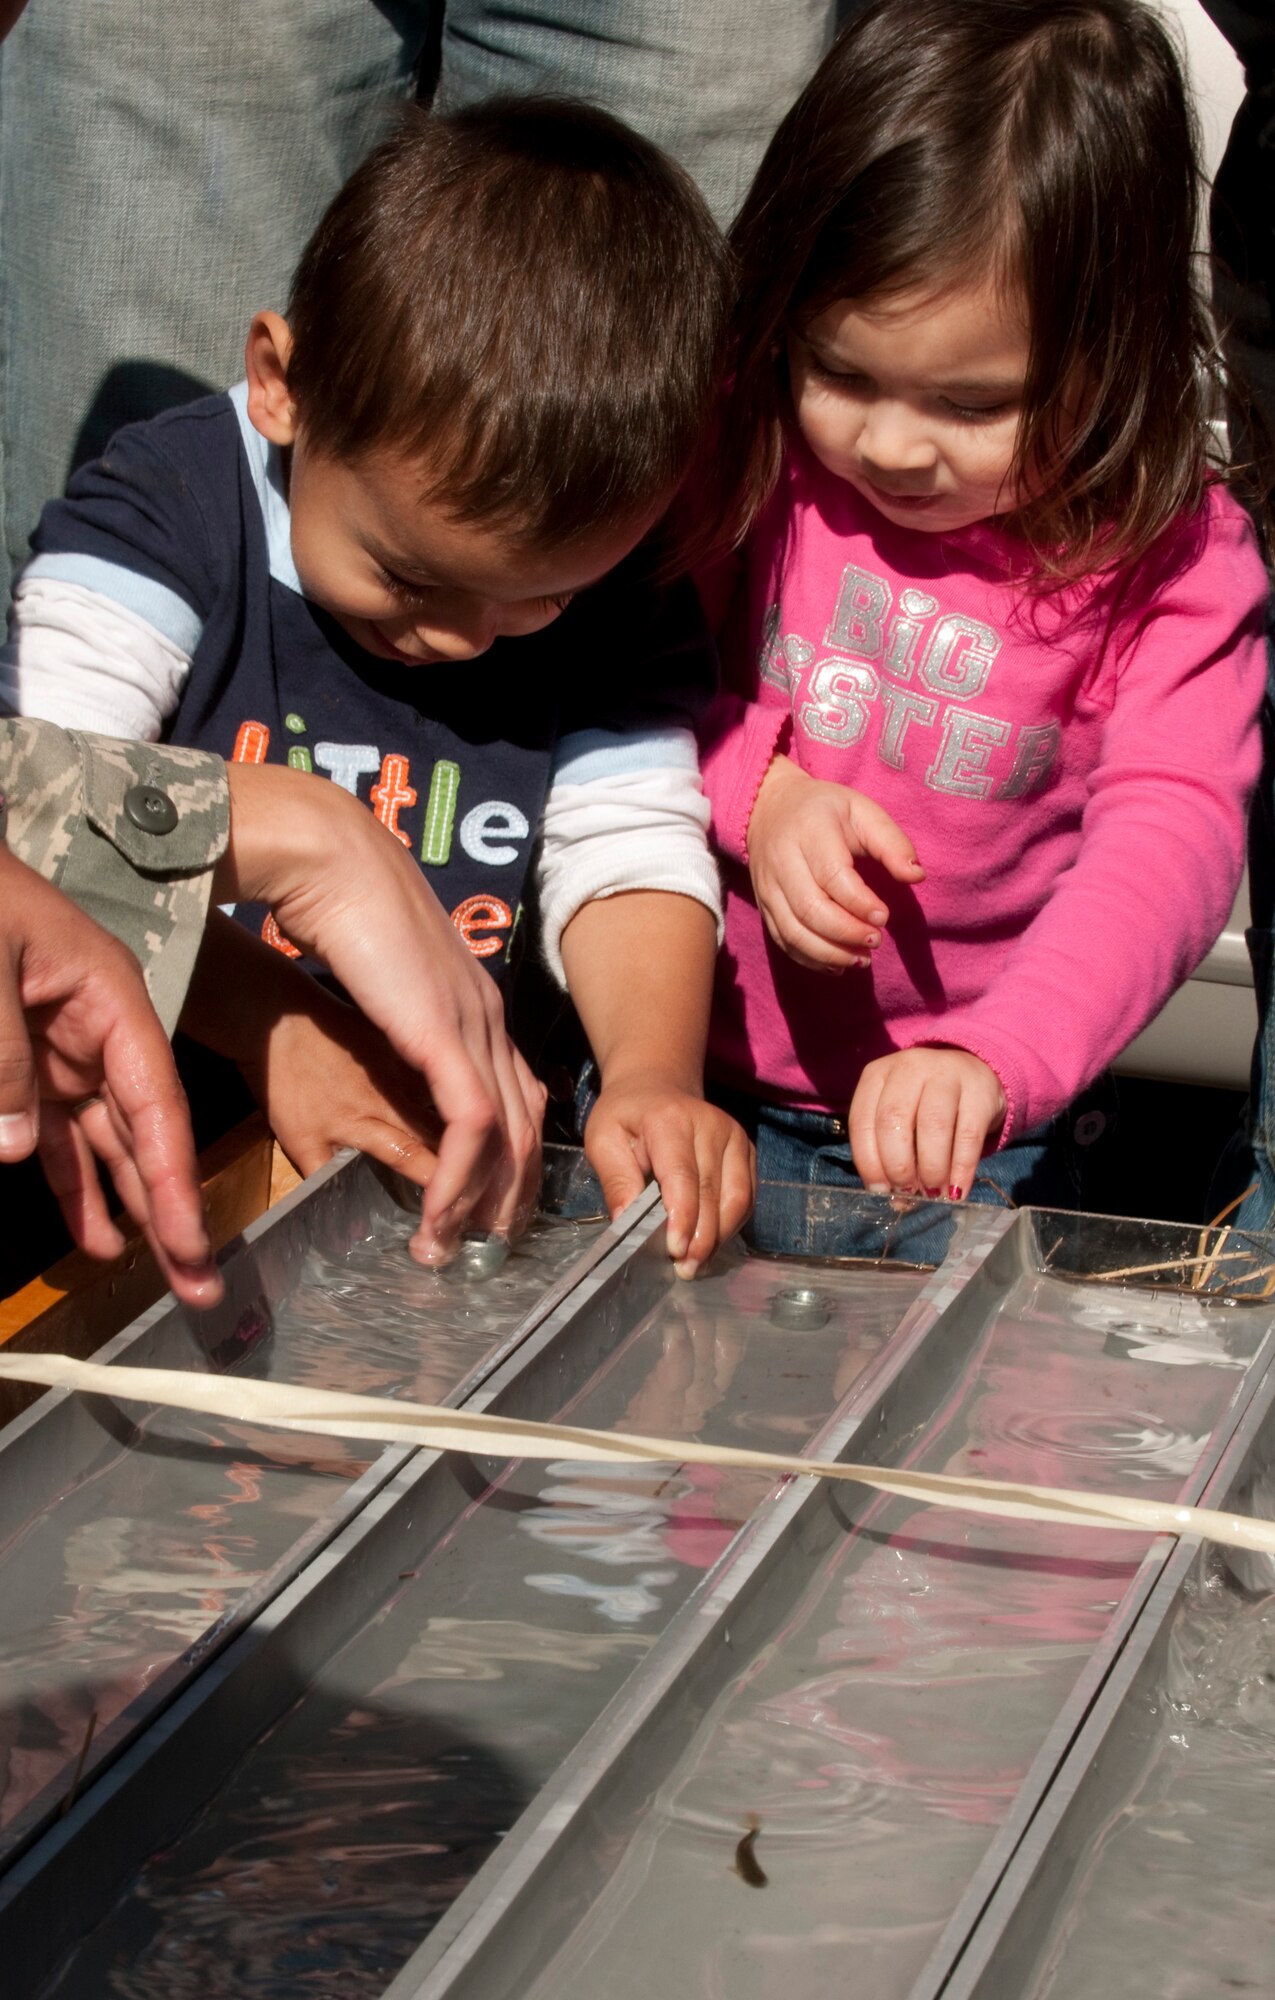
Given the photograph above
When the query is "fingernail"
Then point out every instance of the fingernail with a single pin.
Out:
(878, 1187)
(17, 1133)
(956, 1194)
(877, 916)
(685, 1267)
(431, 1250)
(873, 938)
(678, 1245)
(932, 1194)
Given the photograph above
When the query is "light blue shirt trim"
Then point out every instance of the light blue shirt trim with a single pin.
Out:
(266, 467)
(589, 754)
(153, 602)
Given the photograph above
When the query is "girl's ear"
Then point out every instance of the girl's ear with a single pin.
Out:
(266, 355)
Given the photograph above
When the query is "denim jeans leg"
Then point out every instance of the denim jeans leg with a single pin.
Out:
(709, 80)
(160, 169)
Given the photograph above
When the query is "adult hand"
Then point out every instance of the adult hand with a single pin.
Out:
(803, 837)
(920, 1121)
(86, 1074)
(349, 893)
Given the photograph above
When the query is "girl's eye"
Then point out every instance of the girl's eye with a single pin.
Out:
(398, 586)
(554, 603)
(977, 413)
(844, 379)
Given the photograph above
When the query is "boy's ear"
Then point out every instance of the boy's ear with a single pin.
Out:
(266, 355)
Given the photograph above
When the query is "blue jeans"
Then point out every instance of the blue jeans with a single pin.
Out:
(1249, 1161)
(162, 165)
(801, 1150)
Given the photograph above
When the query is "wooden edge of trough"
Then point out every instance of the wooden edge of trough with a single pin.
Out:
(80, 1303)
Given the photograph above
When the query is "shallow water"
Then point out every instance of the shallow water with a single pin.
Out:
(1175, 1898)
(338, 1841)
(159, 1536)
(881, 1738)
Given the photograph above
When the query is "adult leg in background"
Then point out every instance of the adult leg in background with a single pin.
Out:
(708, 80)
(161, 167)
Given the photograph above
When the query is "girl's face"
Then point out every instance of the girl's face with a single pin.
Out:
(915, 400)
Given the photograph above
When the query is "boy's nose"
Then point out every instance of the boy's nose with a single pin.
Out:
(463, 637)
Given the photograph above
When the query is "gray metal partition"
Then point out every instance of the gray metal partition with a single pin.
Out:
(621, 1679)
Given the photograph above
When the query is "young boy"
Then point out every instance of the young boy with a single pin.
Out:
(499, 351)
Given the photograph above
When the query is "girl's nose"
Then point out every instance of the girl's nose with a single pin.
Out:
(894, 439)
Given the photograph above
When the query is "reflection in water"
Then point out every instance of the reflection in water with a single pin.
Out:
(152, 1544)
(1174, 1898)
(340, 1838)
(882, 1734)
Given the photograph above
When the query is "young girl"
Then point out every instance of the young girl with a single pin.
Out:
(992, 584)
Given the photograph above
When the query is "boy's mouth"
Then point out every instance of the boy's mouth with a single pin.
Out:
(386, 646)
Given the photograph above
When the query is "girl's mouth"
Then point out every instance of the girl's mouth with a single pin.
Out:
(909, 502)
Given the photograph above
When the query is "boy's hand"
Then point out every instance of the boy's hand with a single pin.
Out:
(327, 1079)
(86, 1074)
(920, 1121)
(802, 839)
(648, 1125)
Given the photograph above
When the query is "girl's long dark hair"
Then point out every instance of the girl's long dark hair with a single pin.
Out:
(1045, 143)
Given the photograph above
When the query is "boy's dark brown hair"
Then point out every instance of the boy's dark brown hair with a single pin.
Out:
(528, 297)
(1049, 145)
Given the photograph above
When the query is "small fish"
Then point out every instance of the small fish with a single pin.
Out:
(746, 1865)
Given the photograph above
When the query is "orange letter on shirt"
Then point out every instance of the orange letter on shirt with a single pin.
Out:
(251, 744)
(482, 913)
(391, 794)
(273, 935)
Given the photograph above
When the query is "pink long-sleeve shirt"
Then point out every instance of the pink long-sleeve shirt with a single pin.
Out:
(1074, 772)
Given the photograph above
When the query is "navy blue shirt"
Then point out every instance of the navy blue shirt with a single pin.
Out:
(184, 521)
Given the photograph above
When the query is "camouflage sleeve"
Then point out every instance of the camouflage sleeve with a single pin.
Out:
(130, 831)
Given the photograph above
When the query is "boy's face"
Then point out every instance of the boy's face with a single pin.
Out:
(407, 581)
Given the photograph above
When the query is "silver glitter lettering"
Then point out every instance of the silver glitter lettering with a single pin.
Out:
(901, 708)
(862, 603)
(959, 656)
(770, 663)
(1034, 754)
(837, 710)
(960, 768)
(915, 606)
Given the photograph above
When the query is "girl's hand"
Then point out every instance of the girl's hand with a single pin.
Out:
(802, 837)
(644, 1125)
(920, 1121)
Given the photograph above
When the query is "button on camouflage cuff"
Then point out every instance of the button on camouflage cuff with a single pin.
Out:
(148, 884)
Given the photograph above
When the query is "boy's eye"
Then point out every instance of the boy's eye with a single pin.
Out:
(398, 586)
